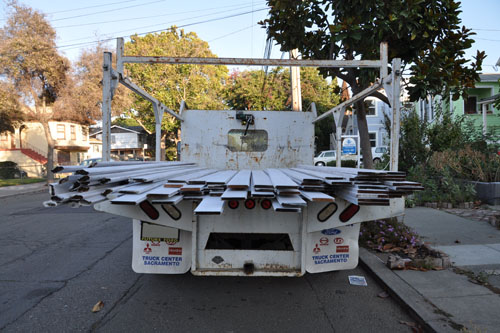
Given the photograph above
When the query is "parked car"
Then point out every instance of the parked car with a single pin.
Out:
(89, 161)
(324, 157)
(378, 153)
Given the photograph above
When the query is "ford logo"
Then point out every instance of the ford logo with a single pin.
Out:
(332, 231)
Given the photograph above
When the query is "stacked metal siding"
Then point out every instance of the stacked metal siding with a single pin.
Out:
(125, 183)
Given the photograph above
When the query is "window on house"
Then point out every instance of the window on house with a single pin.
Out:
(61, 132)
(470, 105)
(373, 139)
(113, 139)
(72, 130)
(85, 133)
(4, 136)
(370, 108)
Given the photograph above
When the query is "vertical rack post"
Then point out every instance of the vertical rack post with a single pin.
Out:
(106, 107)
(395, 105)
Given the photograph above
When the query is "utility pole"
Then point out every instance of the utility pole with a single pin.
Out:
(295, 83)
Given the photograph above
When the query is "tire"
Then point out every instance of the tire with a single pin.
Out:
(320, 164)
(376, 161)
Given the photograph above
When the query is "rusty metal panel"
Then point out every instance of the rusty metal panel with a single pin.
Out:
(205, 139)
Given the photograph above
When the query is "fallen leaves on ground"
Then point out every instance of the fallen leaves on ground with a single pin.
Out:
(414, 327)
(383, 294)
(98, 306)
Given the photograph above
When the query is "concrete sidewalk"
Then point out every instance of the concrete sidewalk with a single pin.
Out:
(8, 191)
(448, 300)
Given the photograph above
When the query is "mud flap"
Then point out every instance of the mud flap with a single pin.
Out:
(332, 249)
(164, 250)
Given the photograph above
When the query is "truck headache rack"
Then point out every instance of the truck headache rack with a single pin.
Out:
(245, 199)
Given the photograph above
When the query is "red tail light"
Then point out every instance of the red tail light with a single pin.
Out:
(233, 204)
(348, 213)
(149, 210)
(266, 204)
(250, 203)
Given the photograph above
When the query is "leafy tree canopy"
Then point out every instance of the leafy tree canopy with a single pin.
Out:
(425, 34)
(10, 110)
(199, 86)
(29, 61)
(82, 96)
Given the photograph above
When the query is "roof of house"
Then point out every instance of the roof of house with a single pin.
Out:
(491, 77)
(120, 129)
(490, 99)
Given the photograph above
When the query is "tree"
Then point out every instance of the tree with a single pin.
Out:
(425, 34)
(82, 95)
(253, 90)
(10, 110)
(30, 62)
(199, 86)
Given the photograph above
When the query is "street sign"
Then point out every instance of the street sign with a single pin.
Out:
(349, 146)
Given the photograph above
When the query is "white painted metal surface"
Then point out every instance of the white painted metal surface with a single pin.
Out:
(205, 136)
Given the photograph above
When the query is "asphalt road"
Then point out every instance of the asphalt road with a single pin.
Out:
(56, 263)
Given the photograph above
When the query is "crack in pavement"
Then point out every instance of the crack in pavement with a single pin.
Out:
(66, 281)
(322, 306)
(125, 297)
(44, 245)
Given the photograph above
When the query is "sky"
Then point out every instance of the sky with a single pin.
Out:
(230, 26)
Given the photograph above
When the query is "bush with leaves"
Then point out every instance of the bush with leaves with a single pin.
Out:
(388, 235)
(468, 164)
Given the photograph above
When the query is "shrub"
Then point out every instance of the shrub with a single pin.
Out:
(468, 164)
(8, 170)
(344, 163)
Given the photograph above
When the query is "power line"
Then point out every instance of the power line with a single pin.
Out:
(107, 11)
(80, 8)
(151, 16)
(78, 45)
(232, 33)
(486, 29)
(154, 25)
(490, 40)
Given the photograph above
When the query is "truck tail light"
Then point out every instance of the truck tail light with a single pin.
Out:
(250, 203)
(266, 204)
(233, 204)
(348, 213)
(327, 212)
(172, 211)
(149, 210)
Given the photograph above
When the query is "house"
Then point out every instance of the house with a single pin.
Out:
(28, 146)
(126, 142)
(375, 111)
(477, 106)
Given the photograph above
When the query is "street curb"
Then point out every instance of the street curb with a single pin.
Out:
(42, 188)
(430, 317)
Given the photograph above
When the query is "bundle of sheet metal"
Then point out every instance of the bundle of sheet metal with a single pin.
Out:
(130, 183)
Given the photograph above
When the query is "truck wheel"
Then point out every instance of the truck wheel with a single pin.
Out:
(376, 161)
(320, 164)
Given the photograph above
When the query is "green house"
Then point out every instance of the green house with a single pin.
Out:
(479, 103)
(478, 106)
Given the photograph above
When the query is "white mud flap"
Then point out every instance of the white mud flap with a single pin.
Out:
(332, 249)
(160, 249)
